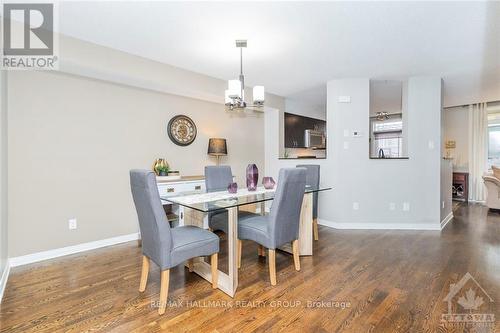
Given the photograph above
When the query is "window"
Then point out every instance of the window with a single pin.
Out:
(387, 136)
(493, 144)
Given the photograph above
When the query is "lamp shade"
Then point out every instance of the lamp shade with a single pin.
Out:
(234, 87)
(258, 94)
(217, 147)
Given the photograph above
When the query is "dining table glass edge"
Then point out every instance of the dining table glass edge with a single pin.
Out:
(223, 200)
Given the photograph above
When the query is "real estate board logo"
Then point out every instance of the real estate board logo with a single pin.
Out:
(28, 40)
(469, 307)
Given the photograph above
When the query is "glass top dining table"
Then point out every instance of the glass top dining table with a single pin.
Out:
(204, 201)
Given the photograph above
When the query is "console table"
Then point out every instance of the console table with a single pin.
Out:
(460, 186)
(168, 188)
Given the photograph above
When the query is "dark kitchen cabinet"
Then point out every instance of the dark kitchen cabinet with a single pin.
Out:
(295, 127)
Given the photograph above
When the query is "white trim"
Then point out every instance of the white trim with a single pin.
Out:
(482, 202)
(3, 280)
(447, 219)
(380, 226)
(64, 251)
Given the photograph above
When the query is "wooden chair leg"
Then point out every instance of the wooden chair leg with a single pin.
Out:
(144, 273)
(272, 266)
(191, 265)
(296, 257)
(240, 246)
(315, 229)
(165, 275)
(214, 259)
(261, 251)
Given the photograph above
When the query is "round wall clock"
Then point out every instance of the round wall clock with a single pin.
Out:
(181, 130)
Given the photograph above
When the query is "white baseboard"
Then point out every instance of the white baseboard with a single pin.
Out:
(64, 251)
(447, 219)
(380, 226)
(3, 280)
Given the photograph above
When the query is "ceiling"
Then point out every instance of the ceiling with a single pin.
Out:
(296, 46)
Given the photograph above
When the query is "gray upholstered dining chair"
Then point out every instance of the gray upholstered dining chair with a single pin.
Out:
(282, 224)
(167, 247)
(217, 178)
(312, 179)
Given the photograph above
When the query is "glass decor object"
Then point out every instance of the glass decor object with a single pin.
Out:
(232, 188)
(252, 177)
(268, 183)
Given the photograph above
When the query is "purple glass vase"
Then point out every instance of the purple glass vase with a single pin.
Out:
(268, 183)
(232, 188)
(252, 177)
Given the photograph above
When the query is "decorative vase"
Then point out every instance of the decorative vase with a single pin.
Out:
(159, 163)
(252, 177)
(163, 173)
(268, 183)
(232, 188)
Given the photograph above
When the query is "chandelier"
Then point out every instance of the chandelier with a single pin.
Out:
(234, 97)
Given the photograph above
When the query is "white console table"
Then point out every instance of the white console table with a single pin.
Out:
(168, 188)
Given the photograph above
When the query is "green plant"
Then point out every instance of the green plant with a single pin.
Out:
(162, 169)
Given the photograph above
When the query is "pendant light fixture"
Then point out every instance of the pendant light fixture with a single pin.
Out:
(234, 96)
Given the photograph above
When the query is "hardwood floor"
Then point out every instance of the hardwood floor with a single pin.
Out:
(383, 281)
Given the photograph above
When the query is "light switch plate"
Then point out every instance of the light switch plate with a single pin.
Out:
(344, 99)
(72, 224)
(346, 144)
(346, 133)
(355, 205)
(431, 144)
(357, 134)
(406, 206)
(392, 206)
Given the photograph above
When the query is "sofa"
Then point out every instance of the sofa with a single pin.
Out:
(492, 184)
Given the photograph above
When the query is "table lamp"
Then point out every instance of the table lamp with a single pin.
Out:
(217, 147)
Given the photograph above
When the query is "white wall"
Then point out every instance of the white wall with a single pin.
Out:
(456, 127)
(3, 174)
(74, 137)
(374, 184)
(446, 184)
(305, 108)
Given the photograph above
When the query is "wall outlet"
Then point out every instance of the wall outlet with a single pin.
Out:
(355, 205)
(72, 224)
(406, 206)
(392, 206)
(431, 144)
(346, 144)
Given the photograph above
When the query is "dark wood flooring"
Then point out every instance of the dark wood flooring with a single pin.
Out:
(357, 281)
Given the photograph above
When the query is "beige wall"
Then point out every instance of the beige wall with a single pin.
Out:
(3, 172)
(74, 135)
(73, 141)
